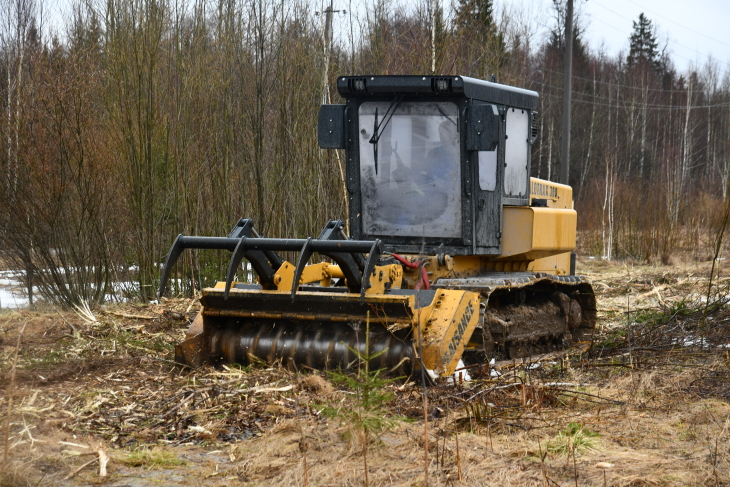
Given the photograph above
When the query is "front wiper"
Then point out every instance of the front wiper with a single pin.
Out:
(379, 129)
(375, 137)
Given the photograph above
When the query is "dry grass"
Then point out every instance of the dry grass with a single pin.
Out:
(152, 458)
(645, 400)
(14, 478)
(575, 439)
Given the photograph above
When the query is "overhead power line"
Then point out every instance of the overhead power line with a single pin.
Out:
(619, 85)
(681, 25)
(607, 83)
(648, 107)
(610, 99)
(626, 34)
(673, 41)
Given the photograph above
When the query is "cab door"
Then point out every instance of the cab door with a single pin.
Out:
(485, 132)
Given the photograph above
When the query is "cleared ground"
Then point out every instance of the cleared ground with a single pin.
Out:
(646, 405)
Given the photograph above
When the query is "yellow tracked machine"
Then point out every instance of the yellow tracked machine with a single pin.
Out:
(453, 249)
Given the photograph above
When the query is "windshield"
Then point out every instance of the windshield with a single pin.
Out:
(410, 178)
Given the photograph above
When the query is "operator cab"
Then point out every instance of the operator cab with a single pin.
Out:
(431, 160)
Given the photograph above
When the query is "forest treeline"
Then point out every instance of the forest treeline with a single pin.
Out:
(143, 119)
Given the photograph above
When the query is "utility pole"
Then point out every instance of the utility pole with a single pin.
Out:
(433, 36)
(567, 87)
(327, 42)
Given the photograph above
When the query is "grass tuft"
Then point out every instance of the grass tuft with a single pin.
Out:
(574, 438)
(153, 458)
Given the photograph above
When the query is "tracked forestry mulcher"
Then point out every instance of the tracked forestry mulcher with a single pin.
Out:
(454, 250)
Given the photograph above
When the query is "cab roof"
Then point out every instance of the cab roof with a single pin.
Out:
(425, 85)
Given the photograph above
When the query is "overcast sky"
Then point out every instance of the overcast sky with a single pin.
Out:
(694, 29)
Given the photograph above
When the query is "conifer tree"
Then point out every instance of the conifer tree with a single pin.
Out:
(475, 27)
(475, 16)
(643, 45)
(557, 32)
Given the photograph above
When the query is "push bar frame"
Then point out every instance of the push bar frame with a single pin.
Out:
(245, 243)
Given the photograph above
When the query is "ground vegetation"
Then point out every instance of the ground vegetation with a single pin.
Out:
(646, 405)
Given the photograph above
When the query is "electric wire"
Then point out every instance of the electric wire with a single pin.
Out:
(631, 20)
(648, 107)
(619, 85)
(637, 104)
(680, 25)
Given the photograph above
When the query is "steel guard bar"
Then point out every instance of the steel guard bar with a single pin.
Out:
(243, 242)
